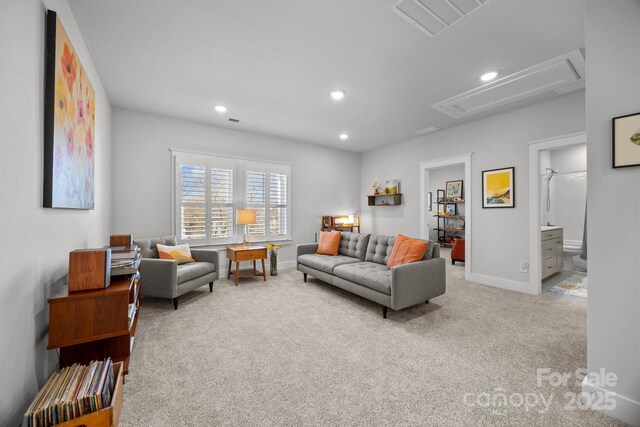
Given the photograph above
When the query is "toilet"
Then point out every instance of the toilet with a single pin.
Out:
(571, 250)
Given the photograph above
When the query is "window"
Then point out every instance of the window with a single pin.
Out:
(209, 190)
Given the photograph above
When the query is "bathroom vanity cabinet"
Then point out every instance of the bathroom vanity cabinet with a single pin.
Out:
(552, 250)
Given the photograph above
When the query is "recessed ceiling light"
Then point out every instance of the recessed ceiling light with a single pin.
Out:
(220, 108)
(344, 136)
(337, 94)
(487, 77)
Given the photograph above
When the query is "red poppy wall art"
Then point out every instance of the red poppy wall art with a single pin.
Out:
(69, 124)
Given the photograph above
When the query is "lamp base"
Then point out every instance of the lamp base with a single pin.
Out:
(245, 238)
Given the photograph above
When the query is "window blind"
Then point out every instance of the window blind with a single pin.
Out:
(210, 189)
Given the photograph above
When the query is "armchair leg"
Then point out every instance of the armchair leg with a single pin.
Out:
(453, 261)
(305, 276)
(427, 302)
(175, 303)
(211, 287)
(384, 311)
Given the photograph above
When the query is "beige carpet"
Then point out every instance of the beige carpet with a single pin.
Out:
(286, 352)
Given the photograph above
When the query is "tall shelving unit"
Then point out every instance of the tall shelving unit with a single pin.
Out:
(449, 225)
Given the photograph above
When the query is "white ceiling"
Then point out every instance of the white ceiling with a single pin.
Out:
(273, 63)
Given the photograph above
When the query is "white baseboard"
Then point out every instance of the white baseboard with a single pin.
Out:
(281, 266)
(498, 282)
(626, 410)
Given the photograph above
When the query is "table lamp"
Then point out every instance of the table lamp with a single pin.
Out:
(245, 217)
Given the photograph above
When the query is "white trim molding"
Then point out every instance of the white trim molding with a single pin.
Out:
(535, 221)
(462, 159)
(498, 282)
(626, 410)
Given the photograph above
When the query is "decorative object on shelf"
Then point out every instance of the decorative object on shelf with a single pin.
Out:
(120, 240)
(69, 124)
(498, 188)
(245, 217)
(391, 187)
(626, 141)
(450, 209)
(89, 269)
(440, 196)
(340, 222)
(430, 201)
(273, 258)
(376, 188)
(453, 190)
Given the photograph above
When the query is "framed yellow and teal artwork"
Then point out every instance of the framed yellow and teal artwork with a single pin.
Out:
(498, 188)
(69, 124)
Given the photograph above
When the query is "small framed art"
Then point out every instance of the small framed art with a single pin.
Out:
(498, 188)
(626, 141)
(453, 190)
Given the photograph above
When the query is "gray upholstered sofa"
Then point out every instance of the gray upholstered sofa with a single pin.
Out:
(361, 268)
(163, 278)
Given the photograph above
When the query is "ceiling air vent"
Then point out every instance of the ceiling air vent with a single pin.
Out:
(232, 120)
(434, 16)
(562, 75)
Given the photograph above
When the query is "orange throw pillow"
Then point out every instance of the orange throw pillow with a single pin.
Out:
(406, 250)
(329, 243)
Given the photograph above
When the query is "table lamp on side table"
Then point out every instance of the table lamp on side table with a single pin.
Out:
(245, 217)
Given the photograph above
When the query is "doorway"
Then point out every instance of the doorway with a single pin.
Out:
(557, 220)
(431, 174)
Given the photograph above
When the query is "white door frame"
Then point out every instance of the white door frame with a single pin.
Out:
(464, 159)
(535, 244)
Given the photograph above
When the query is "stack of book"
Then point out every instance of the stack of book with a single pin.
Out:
(72, 392)
(125, 260)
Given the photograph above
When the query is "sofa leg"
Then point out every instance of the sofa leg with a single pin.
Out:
(426, 302)
(305, 276)
(453, 261)
(384, 311)
(175, 303)
(211, 287)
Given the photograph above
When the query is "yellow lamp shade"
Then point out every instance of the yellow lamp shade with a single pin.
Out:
(245, 216)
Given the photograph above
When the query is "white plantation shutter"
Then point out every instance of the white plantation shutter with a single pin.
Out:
(222, 220)
(278, 201)
(208, 191)
(256, 199)
(193, 202)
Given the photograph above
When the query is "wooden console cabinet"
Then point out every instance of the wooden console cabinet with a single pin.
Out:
(94, 325)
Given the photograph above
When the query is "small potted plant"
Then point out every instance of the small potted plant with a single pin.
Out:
(635, 138)
(273, 258)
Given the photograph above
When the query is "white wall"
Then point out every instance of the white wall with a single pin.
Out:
(570, 159)
(36, 241)
(500, 238)
(437, 179)
(324, 181)
(613, 335)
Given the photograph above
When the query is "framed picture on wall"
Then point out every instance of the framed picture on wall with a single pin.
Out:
(626, 141)
(430, 201)
(498, 188)
(453, 190)
(69, 124)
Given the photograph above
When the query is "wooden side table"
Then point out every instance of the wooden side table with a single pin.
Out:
(238, 254)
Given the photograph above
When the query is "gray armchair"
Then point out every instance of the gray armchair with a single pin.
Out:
(163, 278)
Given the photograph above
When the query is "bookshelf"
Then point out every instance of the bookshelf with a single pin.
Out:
(93, 325)
(449, 225)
